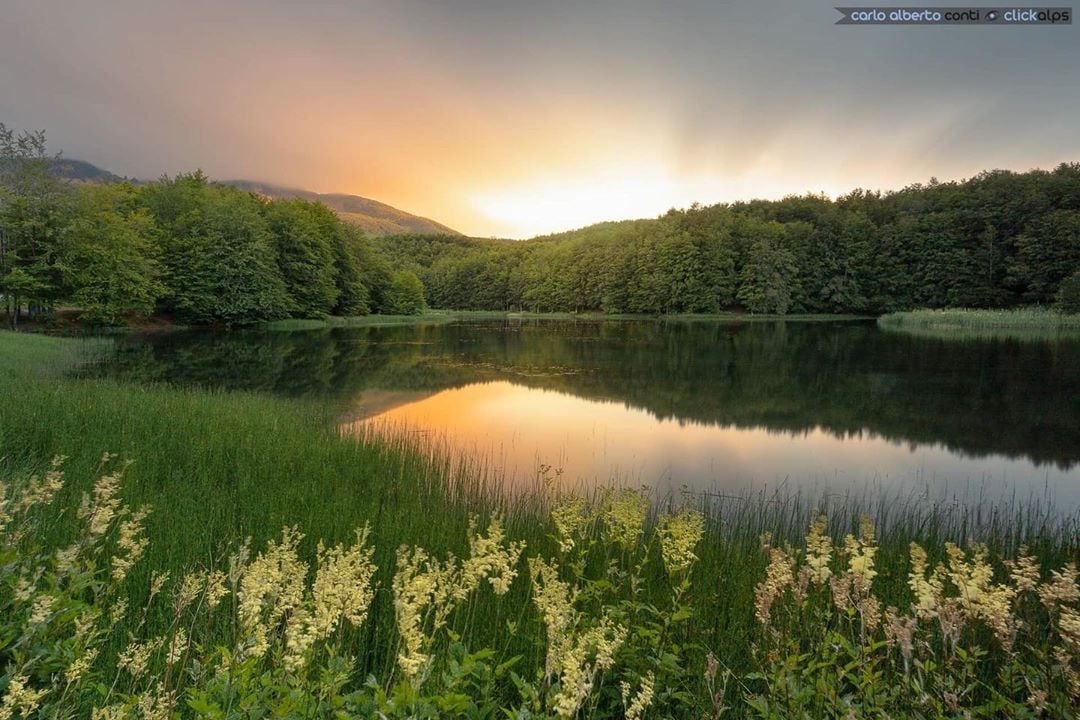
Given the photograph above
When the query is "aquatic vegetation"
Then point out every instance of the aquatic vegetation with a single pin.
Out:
(1024, 324)
(270, 633)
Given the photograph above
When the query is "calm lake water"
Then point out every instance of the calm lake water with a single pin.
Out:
(718, 407)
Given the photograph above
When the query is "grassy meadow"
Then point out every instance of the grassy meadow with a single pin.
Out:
(678, 596)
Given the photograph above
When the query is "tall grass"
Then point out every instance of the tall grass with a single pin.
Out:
(1031, 324)
(219, 467)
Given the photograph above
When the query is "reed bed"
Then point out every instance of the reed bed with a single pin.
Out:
(1026, 324)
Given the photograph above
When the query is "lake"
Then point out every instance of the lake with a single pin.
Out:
(723, 407)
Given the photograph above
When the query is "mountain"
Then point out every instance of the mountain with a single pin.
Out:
(373, 217)
(82, 171)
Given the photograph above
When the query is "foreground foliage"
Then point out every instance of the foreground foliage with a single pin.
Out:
(271, 632)
(977, 640)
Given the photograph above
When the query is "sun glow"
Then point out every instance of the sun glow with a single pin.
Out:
(549, 205)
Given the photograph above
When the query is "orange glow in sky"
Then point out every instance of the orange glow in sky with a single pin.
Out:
(511, 118)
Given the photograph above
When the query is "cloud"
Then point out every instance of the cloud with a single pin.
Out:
(439, 107)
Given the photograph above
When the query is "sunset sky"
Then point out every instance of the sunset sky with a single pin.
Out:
(510, 118)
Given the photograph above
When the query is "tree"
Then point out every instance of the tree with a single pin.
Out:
(682, 272)
(354, 297)
(405, 296)
(33, 211)
(303, 235)
(212, 254)
(109, 264)
(217, 252)
(1068, 295)
(767, 278)
(1047, 252)
(375, 273)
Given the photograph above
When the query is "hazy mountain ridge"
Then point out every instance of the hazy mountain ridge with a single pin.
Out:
(372, 216)
(82, 171)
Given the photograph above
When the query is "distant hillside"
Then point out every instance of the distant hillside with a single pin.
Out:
(373, 217)
(83, 171)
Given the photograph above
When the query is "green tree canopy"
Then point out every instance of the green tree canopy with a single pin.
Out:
(107, 256)
(218, 253)
(303, 235)
(405, 296)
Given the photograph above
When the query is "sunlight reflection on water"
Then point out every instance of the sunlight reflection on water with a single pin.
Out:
(517, 429)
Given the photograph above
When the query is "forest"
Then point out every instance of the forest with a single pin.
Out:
(1001, 239)
(208, 254)
(182, 247)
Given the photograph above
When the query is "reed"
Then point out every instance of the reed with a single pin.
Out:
(1026, 324)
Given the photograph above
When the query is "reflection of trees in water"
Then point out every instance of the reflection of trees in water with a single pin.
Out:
(1018, 399)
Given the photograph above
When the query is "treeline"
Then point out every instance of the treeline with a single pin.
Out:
(212, 254)
(182, 246)
(1000, 239)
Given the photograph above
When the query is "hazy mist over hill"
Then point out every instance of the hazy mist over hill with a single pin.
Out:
(371, 216)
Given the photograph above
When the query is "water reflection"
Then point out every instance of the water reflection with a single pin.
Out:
(521, 429)
(730, 405)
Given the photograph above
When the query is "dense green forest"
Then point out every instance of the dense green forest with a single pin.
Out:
(201, 252)
(206, 253)
(1000, 239)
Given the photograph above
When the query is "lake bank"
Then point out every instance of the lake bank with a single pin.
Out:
(445, 316)
(1020, 324)
(66, 323)
(219, 466)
